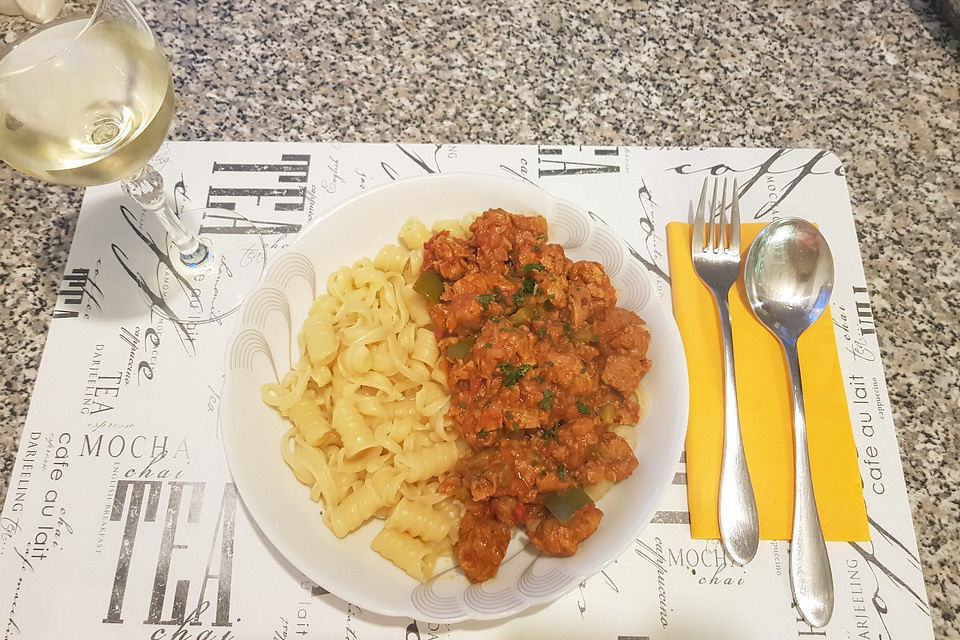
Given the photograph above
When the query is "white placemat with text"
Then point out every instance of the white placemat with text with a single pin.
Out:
(121, 520)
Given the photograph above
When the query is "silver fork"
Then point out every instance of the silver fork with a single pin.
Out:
(718, 266)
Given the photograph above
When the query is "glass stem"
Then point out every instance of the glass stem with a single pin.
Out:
(146, 187)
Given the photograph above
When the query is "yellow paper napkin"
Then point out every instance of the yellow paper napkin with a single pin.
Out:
(763, 393)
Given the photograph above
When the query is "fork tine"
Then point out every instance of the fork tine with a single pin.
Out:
(697, 243)
(735, 220)
(711, 242)
(722, 233)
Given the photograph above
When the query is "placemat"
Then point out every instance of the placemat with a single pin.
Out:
(122, 522)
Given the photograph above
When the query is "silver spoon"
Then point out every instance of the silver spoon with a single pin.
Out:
(789, 278)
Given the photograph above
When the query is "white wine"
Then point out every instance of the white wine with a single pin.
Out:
(88, 101)
(84, 107)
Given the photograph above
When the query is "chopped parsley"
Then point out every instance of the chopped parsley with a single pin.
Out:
(518, 298)
(547, 403)
(497, 294)
(533, 266)
(537, 249)
(542, 236)
(583, 408)
(542, 332)
(549, 363)
(488, 346)
(562, 472)
(482, 434)
(528, 286)
(566, 329)
(485, 299)
(540, 379)
(495, 319)
(515, 426)
(551, 433)
(512, 374)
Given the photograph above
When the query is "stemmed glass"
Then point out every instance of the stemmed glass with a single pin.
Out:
(86, 100)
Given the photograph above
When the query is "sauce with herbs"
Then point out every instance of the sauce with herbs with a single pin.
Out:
(540, 363)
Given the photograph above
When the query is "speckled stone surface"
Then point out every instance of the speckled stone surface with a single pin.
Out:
(874, 80)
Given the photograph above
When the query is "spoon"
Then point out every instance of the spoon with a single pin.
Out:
(788, 276)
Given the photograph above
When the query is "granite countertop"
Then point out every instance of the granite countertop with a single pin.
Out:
(876, 81)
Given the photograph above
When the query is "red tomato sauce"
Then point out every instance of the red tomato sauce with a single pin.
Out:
(540, 363)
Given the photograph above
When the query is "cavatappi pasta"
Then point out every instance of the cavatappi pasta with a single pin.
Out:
(367, 405)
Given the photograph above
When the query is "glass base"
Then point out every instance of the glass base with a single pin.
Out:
(217, 285)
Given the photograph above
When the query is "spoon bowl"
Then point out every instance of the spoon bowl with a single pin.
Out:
(788, 276)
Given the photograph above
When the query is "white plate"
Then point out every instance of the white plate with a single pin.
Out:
(260, 351)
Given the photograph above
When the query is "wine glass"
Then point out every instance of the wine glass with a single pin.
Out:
(86, 100)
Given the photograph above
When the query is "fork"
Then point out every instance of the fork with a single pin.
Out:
(718, 267)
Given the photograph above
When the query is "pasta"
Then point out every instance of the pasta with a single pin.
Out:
(419, 519)
(429, 461)
(309, 421)
(405, 551)
(522, 415)
(367, 403)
